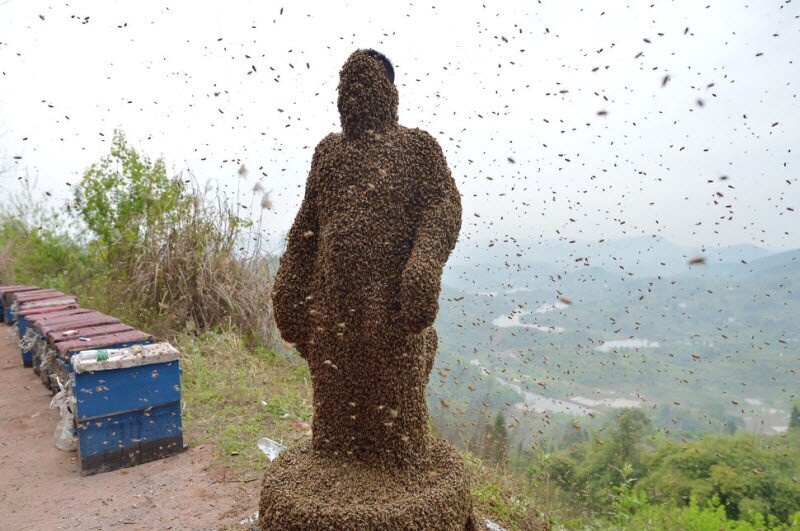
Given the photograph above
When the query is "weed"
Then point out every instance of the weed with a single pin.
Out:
(235, 395)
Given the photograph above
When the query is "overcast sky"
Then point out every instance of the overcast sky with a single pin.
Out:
(212, 85)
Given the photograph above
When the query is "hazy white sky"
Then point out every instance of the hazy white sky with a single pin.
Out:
(211, 85)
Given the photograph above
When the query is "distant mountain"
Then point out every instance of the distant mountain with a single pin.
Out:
(520, 263)
(788, 262)
(776, 272)
(706, 335)
(737, 253)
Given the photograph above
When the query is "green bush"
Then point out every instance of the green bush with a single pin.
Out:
(145, 247)
(127, 201)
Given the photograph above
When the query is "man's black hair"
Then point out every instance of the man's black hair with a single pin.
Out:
(387, 64)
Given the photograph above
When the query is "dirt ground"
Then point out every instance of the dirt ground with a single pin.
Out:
(41, 488)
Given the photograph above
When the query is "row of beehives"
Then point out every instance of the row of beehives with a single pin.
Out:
(118, 390)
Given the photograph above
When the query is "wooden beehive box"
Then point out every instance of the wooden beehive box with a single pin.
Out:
(128, 406)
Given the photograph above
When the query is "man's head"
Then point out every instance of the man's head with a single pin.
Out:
(367, 96)
(387, 64)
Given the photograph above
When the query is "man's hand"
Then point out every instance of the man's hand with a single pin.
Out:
(419, 297)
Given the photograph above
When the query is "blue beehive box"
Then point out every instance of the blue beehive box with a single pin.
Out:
(26, 317)
(66, 349)
(108, 338)
(3, 290)
(13, 301)
(127, 406)
(6, 302)
(43, 327)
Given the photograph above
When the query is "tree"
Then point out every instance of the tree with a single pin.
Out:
(126, 200)
(794, 419)
(496, 448)
(617, 451)
(632, 424)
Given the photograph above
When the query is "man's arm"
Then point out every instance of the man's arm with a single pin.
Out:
(435, 238)
(293, 279)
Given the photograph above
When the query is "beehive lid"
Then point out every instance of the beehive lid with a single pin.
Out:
(15, 288)
(37, 295)
(49, 310)
(8, 291)
(45, 320)
(135, 356)
(97, 342)
(46, 316)
(46, 303)
(80, 321)
(74, 334)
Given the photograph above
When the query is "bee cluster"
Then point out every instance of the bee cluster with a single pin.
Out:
(357, 293)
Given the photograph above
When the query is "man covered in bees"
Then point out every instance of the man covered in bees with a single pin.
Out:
(357, 294)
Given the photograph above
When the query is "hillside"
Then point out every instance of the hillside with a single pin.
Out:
(723, 329)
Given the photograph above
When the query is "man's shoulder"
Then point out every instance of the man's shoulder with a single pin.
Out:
(422, 142)
(420, 135)
(329, 141)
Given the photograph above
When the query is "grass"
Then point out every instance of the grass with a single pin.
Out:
(502, 497)
(234, 396)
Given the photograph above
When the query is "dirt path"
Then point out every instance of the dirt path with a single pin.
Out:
(41, 488)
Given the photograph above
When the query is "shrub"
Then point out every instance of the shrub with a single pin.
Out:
(200, 275)
(156, 251)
